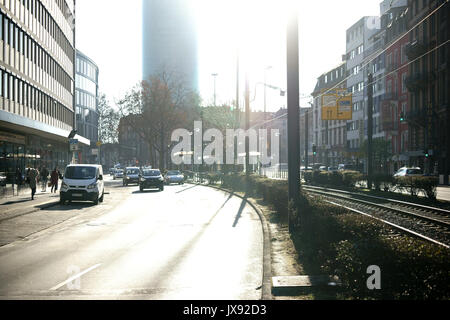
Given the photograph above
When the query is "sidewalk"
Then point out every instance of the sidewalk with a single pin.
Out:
(11, 207)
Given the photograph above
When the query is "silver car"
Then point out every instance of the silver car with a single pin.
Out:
(174, 176)
(409, 172)
(118, 174)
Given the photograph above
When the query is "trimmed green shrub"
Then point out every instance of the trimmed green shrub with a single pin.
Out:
(383, 181)
(350, 178)
(415, 185)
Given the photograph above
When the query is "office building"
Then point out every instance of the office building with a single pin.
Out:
(170, 40)
(36, 84)
(86, 91)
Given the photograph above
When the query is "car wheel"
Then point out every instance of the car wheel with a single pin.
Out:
(141, 189)
(96, 201)
(161, 189)
(102, 197)
(61, 201)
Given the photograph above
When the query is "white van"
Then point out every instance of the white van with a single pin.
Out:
(82, 182)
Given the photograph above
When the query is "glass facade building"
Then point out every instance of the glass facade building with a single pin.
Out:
(170, 41)
(36, 84)
(86, 97)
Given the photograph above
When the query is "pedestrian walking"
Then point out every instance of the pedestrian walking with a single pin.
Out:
(44, 179)
(27, 176)
(54, 179)
(33, 175)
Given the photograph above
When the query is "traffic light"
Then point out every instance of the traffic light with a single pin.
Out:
(427, 155)
(314, 149)
(402, 117)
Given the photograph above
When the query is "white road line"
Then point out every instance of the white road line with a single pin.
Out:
(74, 277)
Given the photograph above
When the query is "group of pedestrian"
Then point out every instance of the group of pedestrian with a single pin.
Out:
(34, 176)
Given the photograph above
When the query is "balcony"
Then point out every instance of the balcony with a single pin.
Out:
(419, 81)
(415, 49)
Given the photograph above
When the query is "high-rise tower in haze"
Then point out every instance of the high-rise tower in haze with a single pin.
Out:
(170, 39)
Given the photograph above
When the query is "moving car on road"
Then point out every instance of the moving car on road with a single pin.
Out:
(151, 178)
(131, 175)
(82, 182)
(409, 172)
(118, 174)
(174, 176)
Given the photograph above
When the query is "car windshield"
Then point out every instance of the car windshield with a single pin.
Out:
(414, 171)
(133, 171)
(173, 173)
(82, 173)
(151, 173)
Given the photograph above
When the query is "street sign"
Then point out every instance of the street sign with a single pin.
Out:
(336, 105)
(344, 108)
(73, 144)
(99, 144)
(94, 152)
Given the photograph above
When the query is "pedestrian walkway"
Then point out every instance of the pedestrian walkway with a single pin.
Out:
(11, 207)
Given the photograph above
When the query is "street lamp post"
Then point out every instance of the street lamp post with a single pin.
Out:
(215, 76)
(265, 93)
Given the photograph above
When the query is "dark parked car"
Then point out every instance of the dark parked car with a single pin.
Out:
(151, 179)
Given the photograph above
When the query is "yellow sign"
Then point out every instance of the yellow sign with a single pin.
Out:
(336, 105)
(99, 143)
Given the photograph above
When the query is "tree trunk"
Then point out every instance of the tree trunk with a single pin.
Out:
(162, 152)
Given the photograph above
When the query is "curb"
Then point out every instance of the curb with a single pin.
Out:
(266, 291)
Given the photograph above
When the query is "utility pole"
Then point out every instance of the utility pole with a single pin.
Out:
(237, 90)
(306, 138)
(215, 77)
(370, 131)
(293, 99)
(238, 111)
(265, 94)
(74, 75)
(247, 127)
(327, 143)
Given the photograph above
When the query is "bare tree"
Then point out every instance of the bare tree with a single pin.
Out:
(108, 121)
(158, 106)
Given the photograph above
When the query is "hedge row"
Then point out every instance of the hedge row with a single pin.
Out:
(331, 240)
(349, 179)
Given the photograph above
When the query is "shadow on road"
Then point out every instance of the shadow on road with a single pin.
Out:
(16, 202)
(239, 214)
(147, 191)
(188, 188)
(68, 207)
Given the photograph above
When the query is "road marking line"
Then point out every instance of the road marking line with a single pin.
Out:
(74, 277)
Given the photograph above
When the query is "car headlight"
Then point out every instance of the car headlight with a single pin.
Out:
(161, 179)
(64, 185)
(142, 180)
(92, 186)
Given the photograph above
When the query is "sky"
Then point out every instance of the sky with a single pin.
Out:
(110, 33)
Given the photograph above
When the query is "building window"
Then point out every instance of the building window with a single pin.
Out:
(404, 88)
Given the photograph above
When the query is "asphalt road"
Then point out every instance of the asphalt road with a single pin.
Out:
(188, 242)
